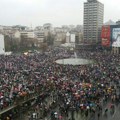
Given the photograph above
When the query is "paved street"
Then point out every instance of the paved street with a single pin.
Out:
(78, 116)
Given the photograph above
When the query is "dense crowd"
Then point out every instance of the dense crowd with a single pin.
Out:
(81, 87)
(22, 75)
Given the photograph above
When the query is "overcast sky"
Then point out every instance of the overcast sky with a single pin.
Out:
(57, 12)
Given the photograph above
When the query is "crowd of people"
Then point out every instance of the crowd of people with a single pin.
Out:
(82, 88)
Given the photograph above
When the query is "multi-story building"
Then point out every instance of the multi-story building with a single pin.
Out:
(27, 38)
(39, 35)
(27, 34)
(60, 37)
(93, 21)
(2, 44)
(16, 34)
(67, 37)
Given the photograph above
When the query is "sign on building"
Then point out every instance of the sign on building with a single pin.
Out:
(105, 36)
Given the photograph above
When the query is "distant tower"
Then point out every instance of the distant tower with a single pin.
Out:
(93, 21)
(67, 37)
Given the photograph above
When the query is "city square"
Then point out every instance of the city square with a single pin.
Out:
(59, 60)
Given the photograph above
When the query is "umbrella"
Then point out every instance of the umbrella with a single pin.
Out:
(55, 113)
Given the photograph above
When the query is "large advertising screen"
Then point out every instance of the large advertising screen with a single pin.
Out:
(116, 37)
(105, 36)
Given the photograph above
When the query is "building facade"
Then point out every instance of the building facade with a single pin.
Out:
(39, 35)
(27, 34)
(118, 22)
(60, 37)
(93, 21)
(2, 44)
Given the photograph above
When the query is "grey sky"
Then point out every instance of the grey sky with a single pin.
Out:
(57, 12)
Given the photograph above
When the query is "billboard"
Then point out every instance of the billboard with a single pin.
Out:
(105, 36)
(116, 37)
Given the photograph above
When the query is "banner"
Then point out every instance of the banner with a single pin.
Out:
(105, 36)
